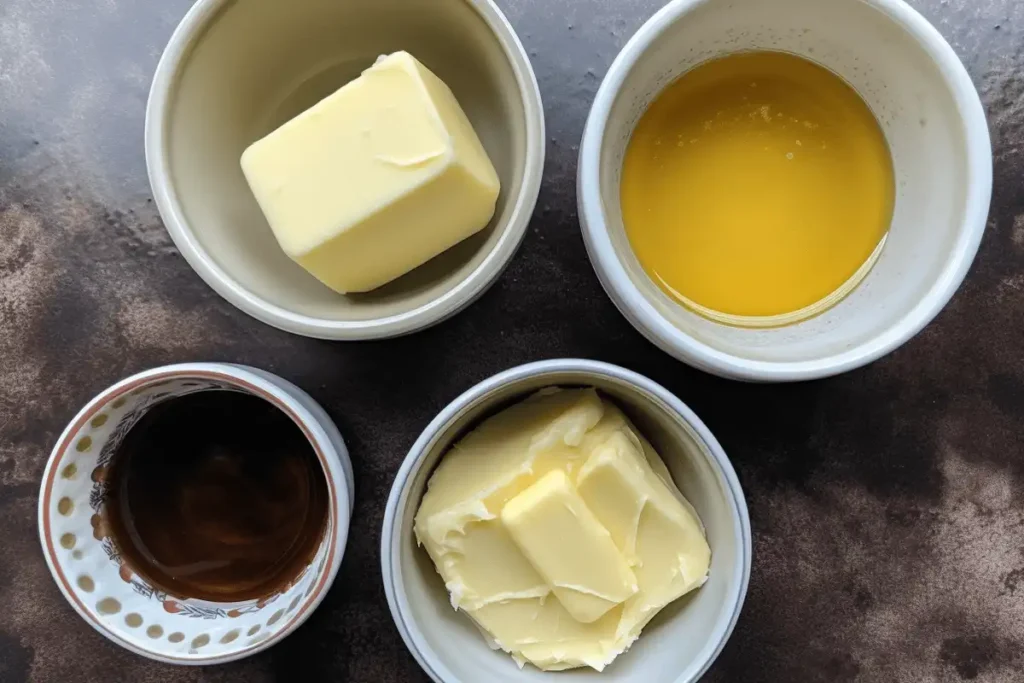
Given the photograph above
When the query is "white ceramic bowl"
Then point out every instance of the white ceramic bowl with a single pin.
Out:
(234, 70)
(937, 132)
(680, 644)
(122, 605)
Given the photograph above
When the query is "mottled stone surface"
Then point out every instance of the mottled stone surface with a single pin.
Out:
(887, 504)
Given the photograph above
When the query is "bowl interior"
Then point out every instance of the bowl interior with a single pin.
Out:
(676, 646)
(899, 78)
(258, 63)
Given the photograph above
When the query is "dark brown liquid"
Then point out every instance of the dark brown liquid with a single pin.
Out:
(218, 496)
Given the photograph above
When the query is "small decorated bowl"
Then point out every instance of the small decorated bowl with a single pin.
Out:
(87, 565)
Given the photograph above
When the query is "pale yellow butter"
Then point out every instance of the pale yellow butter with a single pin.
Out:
(374, 180)
(558, 530)
(588, 576)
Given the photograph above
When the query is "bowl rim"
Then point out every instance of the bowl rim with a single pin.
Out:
(324, 437)
(158, 108)
(394, 585)
(653, 325)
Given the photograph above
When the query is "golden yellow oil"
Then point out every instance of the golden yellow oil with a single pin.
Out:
(757, 187)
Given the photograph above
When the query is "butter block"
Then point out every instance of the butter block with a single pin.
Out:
(374, 180)
(537, 520)
(569, 548)
(662, 539)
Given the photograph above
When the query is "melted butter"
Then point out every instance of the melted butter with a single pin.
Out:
(758, 188)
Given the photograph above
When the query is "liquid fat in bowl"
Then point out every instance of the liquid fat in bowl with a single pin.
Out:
(757, 189)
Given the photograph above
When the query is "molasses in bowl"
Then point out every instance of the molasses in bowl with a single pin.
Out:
(198, 513)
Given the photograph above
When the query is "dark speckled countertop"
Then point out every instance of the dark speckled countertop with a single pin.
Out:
(887, 504)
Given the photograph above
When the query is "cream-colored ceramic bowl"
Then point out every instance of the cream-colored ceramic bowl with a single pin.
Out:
(234, 70)
(123, 606)
(937, 132)
(680, 643)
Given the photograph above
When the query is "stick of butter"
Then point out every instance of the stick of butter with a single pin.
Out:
(558, 530)
(567, 546)
(374, 180)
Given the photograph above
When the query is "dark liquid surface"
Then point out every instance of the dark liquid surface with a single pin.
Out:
(218, 496)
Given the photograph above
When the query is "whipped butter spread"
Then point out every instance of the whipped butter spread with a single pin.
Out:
(557, 528)
(375, 179)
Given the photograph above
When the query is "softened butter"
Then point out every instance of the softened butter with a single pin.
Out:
(374, 180)
(557, 528)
